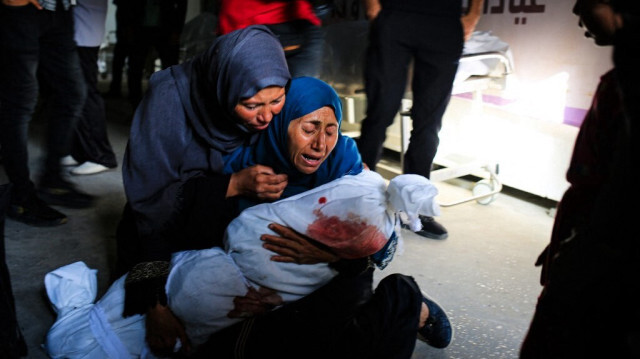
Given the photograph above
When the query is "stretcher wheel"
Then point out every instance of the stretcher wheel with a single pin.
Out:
(483, 187)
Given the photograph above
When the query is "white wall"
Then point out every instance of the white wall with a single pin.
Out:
(547, 44)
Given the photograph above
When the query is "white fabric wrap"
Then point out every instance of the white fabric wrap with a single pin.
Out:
(86, 330)
(203, 283)
(413, 195)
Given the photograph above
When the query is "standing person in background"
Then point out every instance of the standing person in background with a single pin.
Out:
(159, 24)
(295, 23)
(591, 266)
(12, 344)
(125, 22)
(90, 144)
(37, 37)
(393, 43)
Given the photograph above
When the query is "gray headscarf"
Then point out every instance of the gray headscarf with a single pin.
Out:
(238, 65)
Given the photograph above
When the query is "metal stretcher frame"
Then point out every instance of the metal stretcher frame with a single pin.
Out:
(485, 190)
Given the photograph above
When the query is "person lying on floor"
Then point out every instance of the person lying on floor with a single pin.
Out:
(336, 202)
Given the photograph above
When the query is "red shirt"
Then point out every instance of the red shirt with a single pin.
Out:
(237, 14)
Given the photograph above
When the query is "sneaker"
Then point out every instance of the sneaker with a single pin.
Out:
(437, 332)
(432, 229)
(89, 168)
(63, 193)
(68, 161)
(34, 211)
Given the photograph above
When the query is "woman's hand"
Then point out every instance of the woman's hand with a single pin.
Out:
(255, 302)
(292, 247)
(257, 181)
(163, 329)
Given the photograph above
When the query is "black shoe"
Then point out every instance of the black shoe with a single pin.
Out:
(34, 211)
(63, 193)
(437, 332)
(432, 229)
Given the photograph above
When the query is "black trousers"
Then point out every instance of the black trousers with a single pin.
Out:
(90, 140)
(434, 43)
(37, 46)
(341, 320)
(144, 40)
(12, 344)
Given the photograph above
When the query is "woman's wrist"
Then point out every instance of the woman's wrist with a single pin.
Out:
(232, 188)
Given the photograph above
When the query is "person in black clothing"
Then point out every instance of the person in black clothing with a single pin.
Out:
(393, 43)
(158, 25)
(90, 147)
(37, 50)
(12, 344)
(125, 22)
(591, 267)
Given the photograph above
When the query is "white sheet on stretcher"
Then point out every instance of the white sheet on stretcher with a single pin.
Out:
(481, 42)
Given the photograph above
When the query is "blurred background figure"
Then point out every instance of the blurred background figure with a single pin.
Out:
(157, 25)
(588, 307)
(12, 344)
(296, 23)
(90, 148)
(125, 22)
(37, 44)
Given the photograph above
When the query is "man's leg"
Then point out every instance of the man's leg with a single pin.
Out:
(60, 69)
(434, 70)
(20, 30)
(435, 65)
(386, 70)
(137, 59)
(12, 343)
(120, 52)
(19, 48)
(90, 141)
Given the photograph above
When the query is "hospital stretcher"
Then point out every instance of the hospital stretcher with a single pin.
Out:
(485, 64)
(452, 165)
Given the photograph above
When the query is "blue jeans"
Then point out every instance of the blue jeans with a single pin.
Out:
(306, 60)
(37, 45)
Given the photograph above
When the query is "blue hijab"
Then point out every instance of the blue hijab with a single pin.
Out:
(305, 95)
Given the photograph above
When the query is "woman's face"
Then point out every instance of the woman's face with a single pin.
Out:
(312, 138)
(256, 112)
